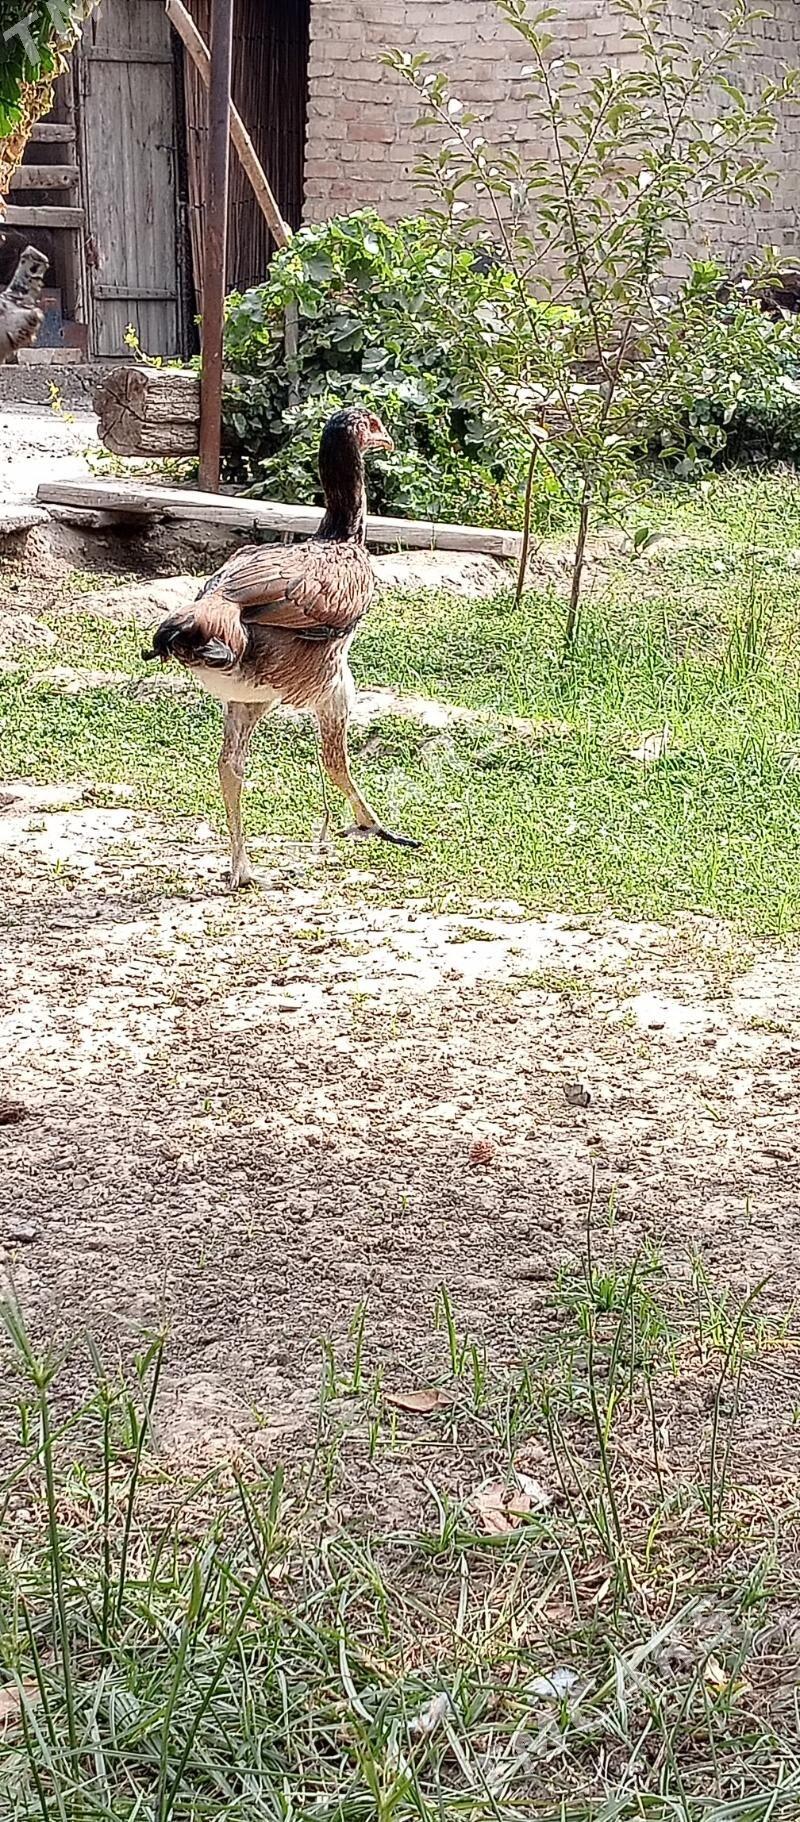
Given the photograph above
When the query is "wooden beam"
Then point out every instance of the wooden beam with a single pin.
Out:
(51, 133)
(44, 177)
(42, 217)
(243, 144)
(143, 500)
(96, 54)
(140, 294)
(215, 261)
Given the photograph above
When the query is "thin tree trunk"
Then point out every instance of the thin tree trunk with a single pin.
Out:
(573, 614)
(526, 527)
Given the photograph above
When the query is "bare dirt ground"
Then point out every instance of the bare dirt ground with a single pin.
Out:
(37, 442)
(245, 1117)
(248, 1116)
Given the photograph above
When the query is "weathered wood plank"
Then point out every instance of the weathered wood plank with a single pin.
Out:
(43, 216)
(251, 164)
(132, 499)
(159, 294)
(44, 177)
(133, 56)
(129, 29)
(52, 133)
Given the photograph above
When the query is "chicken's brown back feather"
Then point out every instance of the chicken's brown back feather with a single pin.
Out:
(311, 589)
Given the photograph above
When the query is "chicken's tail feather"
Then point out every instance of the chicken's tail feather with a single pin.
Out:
(209, 635)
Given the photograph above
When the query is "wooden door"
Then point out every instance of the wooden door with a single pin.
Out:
(128, 137)
(270, 89)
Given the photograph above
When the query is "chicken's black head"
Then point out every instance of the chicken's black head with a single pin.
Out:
(354, 427)
(348, 436)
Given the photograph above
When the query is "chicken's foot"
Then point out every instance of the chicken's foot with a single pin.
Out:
(364, 831)
(332, 717)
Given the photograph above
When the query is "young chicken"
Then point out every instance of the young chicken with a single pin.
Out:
(275, 625)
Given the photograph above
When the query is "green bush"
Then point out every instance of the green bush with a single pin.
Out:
(396, 317)
(368, 332)
(752, 415)
(741, 382)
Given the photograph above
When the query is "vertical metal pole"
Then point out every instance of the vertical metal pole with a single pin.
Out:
(216, 241)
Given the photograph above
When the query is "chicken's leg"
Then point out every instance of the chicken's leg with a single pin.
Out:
(240, 720)
(332, 716)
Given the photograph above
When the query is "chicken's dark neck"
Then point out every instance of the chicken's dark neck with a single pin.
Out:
(341, 471)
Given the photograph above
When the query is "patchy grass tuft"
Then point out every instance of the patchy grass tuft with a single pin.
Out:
(589, 1616)
(699, 638)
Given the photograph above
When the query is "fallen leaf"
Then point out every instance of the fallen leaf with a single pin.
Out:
(652, 746)
(714, 1674)
(536, 1493)
(11, 1703)
(500, 1508)
(481, 1151)
(432, 1715)
(553, 1688)
(426, 1399)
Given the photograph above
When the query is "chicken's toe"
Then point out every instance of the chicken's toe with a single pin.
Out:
(375, 831)
(242, 878)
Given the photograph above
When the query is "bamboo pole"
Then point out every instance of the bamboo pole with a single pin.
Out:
(216, 242)
(248, 157)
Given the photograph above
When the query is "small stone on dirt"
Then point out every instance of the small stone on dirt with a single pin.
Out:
(481, 1152)
(576, 1095)
(23, 1232)
(11, 1112)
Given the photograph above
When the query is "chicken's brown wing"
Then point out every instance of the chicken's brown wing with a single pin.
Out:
(313, 587)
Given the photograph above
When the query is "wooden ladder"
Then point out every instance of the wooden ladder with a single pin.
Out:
(59, 183)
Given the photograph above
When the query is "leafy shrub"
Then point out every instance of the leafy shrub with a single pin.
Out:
(743, 385)
(394, 317)
(363, 293)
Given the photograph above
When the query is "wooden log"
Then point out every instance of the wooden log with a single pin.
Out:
(143, 500)
(149, 411)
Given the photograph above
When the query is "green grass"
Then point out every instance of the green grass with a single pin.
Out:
(256, 1647)
(703, 638)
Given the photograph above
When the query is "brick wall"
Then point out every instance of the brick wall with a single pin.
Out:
(736, 230)
(362, 146)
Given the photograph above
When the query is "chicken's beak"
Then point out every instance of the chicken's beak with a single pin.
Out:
(384, 442)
